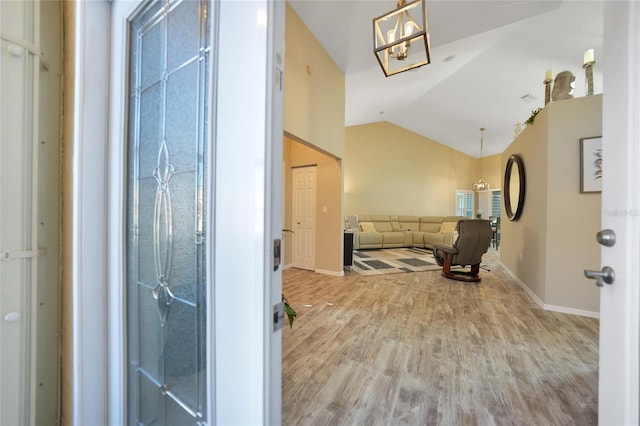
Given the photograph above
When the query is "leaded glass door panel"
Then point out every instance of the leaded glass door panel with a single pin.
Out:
(167, 147)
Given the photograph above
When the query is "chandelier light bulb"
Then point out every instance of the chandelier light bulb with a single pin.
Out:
(391, 35)
(408, 28)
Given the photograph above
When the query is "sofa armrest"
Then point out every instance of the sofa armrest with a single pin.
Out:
(408, 237)
(356, 239)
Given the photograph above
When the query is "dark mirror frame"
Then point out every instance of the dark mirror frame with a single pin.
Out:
(517, 160)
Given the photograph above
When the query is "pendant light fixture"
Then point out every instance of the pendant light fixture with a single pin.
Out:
(481, 185)
(401, 38)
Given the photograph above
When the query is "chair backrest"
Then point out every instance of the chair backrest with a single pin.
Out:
(473, 241)
(495, 222)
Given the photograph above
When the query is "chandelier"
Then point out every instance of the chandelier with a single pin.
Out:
(401, 38)
(481, 185)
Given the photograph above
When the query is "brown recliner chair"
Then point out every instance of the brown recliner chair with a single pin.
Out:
(473, 241)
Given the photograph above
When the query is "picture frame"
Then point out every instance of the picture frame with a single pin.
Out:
(591, 164)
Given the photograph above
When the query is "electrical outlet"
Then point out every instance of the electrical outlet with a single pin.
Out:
(521, 257)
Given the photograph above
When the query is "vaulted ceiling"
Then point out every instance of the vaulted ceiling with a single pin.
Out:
(486, 56)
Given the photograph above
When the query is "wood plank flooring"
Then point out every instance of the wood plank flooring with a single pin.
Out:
(419, 349)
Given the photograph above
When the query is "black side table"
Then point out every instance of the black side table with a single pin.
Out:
(348, 248)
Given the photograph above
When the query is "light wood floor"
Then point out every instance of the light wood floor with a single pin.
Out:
(420, 349)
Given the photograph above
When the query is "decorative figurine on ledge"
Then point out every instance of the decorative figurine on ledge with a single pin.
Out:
(548, 78)
(563, 86)
(589, 62)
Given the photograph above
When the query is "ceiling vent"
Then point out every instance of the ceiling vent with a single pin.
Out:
(528, 98)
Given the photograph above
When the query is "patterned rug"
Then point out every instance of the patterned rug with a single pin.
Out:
(393, 261)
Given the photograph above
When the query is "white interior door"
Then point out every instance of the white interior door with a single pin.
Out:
(304, 217)
(620, 301)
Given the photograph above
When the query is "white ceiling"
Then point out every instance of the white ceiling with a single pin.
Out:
(502, 50)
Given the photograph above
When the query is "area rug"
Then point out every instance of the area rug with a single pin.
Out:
(393, 261)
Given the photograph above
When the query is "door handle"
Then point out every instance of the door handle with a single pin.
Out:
(605, 276)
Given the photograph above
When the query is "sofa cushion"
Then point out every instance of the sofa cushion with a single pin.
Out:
(370, 240)
(409, 223)
(431, 238)
(448, 227)
(418, 238)
(367, 227)
(430, 223)
(383, 226)
(393, 239)
(395, 224)
(379, 218)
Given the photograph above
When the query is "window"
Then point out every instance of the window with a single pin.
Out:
(496, 202)
(166, 290)
(464, 203)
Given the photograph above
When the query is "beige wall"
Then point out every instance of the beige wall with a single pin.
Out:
(328, 245)
(489, 168)
(527, 236)
(314, 93)
(390, 170)
(314, 90)
(556, 232)
(573, 218)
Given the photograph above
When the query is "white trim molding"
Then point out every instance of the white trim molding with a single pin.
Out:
(572, 311)
(545, 306)
(332, 273)
(89, 213)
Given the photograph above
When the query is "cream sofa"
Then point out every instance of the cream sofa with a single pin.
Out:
(383, 231)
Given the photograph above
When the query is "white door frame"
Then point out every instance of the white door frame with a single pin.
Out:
(89, 272)
(245, 380)
(248, 162)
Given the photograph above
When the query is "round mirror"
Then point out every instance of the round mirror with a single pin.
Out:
(514, 187)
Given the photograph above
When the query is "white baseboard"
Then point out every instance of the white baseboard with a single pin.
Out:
(319, 271)
(547, 307)
(530, 292)
(572, 311)
(332, 273)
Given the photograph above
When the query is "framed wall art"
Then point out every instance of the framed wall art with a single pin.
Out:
(591, 164)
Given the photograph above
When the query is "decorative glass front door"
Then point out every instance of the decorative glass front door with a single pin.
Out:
(167, 145)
